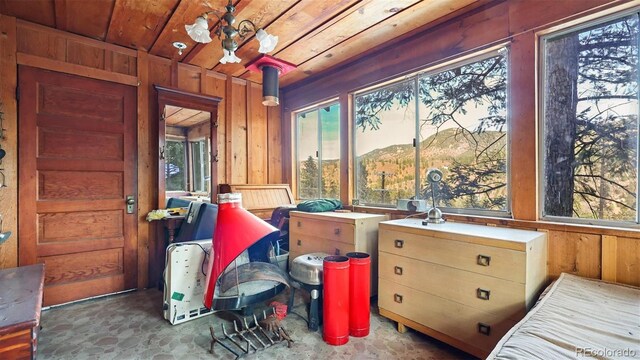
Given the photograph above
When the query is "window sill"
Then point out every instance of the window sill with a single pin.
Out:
(509, 222)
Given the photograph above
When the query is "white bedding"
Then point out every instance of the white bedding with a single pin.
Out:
(577, 318)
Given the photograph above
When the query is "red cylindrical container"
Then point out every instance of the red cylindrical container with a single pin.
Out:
(359, 293)
(335, 305)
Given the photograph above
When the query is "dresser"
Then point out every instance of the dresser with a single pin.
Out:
(335, 234)
(463, 284)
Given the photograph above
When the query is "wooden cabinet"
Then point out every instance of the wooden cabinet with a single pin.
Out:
(335, 234)
(463, 284)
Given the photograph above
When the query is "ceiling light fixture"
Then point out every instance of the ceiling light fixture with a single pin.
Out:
(199, 31)
(180, 46)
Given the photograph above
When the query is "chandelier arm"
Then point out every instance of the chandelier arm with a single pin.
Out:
(243, 29)
(214, 12)
(217, 28)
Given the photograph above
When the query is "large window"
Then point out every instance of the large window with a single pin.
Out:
(318, 152)
(589, 139)
(453, 119)
(385, 126)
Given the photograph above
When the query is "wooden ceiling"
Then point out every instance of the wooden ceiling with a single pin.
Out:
(313, 34)
(181, 117)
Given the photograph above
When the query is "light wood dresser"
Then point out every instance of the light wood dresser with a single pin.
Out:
(335, 234)
(463, 284)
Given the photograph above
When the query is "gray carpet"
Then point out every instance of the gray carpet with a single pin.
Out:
(130, 326)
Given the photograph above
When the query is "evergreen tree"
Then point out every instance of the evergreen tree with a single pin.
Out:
(590, 139)
(309, 179)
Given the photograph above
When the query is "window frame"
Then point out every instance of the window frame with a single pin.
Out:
(296, 141)
(540, 123)
(202, 154)
(500, 49)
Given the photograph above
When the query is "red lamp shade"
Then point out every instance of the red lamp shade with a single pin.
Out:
(236, 230)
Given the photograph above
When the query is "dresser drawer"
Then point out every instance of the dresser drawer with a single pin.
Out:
(308, 244)
(331, 230)
(302, 245)
(482, 292)
(457, 320)
(492, 261)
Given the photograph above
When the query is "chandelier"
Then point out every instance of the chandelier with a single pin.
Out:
(226, 32)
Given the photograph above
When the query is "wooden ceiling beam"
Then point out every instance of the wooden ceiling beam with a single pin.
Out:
(410, 21)
(38, 11)
(137, 24)
(301, 19)
(344, 26)
(261, 13)
(60, 8)
(88, 18)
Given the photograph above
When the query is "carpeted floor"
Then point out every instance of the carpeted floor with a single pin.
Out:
(130, 326)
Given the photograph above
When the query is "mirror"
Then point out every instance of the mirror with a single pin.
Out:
(187, 146)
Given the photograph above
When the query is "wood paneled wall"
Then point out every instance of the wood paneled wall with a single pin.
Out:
(611, 254)
(9, 164)
(248, 133)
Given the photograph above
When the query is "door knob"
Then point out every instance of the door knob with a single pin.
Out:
(130, 202)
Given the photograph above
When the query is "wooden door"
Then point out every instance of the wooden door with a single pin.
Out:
(77, 156)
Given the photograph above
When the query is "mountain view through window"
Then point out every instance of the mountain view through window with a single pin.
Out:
(460, 123)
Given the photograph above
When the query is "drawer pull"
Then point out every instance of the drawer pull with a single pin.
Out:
(483, 294)
(397, 270)
(397, 298)
(299, 242)
(484, 329)
(484, 260)
(399, 243)
(336, 231)
(299, 224)
(337, 252)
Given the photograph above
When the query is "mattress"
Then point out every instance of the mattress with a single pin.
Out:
(577, 318)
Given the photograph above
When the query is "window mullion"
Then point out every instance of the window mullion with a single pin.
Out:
(319, 184)
(297, 154)
(417, 137)
(188, 175)
(638, 126)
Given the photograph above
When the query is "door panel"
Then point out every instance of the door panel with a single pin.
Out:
(77, 147)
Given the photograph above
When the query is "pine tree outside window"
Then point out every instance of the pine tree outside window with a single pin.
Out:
(318, 152)
(176, 165)
(589, 133)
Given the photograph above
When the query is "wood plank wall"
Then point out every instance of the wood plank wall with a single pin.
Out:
(597, 252)
(248, 133)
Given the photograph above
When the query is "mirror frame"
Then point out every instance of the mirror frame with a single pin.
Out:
(186, 99)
